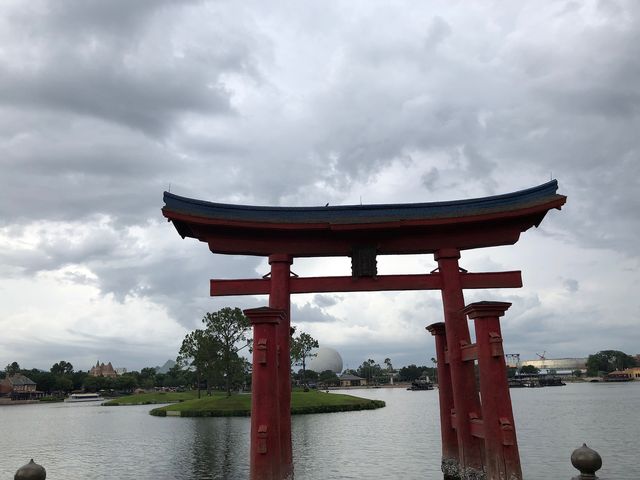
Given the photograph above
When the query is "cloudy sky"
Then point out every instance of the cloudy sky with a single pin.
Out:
(106, 104)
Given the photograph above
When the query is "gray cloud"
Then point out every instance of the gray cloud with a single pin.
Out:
(309, 314)
(324, 301)
(103, 105)
(571, 285)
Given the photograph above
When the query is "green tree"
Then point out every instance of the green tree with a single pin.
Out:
(229, 326)
(607, 361)
(328, 378)
(61, 368)
(63, 383)
(308, 375)
(147, 377)
(45, 381)
(388, 364)
(12, 368)
(125, 383)
(78, 379)
(301, 347)
(177, 377)
(94, 384)
(411, 372)
(199, 351)
(370, 370)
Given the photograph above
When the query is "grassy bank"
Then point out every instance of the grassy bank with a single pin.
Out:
(153, 398)
(240, 405)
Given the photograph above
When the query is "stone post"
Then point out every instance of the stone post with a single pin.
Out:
(587, 461)
(31, 471)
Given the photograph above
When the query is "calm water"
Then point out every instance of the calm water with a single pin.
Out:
(401, 441)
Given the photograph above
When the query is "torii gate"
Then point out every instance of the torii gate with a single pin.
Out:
(478, 437)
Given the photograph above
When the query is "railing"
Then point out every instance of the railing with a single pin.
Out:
(586, 460)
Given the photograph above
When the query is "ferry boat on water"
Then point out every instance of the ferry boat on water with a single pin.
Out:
(533, 380)
(421, 385)
(618, 377)
(84, 397)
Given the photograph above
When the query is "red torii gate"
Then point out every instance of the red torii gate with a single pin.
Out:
(478, 438)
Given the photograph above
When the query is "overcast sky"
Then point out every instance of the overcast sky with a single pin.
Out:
(104, 104)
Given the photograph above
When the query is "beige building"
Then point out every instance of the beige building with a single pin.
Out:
(568, 364)
(348, 380)
(634, 372)
(102, 370)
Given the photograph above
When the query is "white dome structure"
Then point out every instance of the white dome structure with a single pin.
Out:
(326, 359)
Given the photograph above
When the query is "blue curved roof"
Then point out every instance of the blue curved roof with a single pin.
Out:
(354, 214)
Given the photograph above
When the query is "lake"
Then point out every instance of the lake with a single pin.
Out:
(400, 441)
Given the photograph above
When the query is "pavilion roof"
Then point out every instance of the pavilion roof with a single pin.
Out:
(263, 229)
(359, 214)
(20, 379)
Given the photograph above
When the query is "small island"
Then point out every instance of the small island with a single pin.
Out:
(239, 405)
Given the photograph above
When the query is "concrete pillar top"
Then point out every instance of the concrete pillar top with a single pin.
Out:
(446, 253)
(486, 309)
(280, 257)
(264, 315)
(436, 329)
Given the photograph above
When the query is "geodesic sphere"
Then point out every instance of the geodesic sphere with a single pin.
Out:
(326, 359)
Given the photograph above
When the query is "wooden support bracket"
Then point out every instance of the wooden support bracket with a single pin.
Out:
(469, 352)
(495, 340)
(508, 432)
(262, 439)
(261, 351)
(476, 424)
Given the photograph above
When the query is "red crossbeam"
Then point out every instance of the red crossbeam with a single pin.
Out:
(431, 281)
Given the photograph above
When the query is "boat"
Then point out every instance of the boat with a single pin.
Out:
(535, 380)
(421, 385)
(551, 381)
(84, 397)
(618, 377)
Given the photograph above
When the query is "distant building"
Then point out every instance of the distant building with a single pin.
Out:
(121, 371)
(102, 370)
(326, 359)
(19, 387)
(348, 380)
(168, 365)
(560, 365)
(634, 372)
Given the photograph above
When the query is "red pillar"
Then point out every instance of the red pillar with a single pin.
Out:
(279, 298)
(501, 448)
(450, 459)
(465, 395)
(265, 456)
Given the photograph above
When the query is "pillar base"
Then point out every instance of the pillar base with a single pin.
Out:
(451, 468)
(471, 473)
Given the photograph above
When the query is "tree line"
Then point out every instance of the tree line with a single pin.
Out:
(62, 378)
(210, 359)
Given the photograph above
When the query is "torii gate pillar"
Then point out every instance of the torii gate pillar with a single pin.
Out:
(463, 382)
(502, 460)
(265, 451)
(450, 455)
(280, 298)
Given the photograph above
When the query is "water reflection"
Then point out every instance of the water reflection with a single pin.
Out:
(219, 448)
(400, 441)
